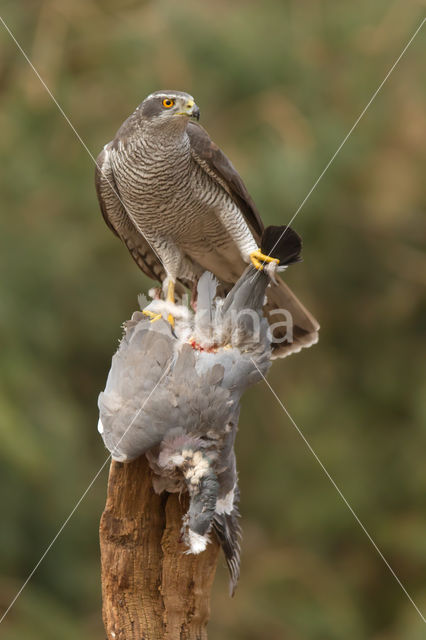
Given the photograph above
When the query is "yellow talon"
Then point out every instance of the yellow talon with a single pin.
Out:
(171, 298)
(152, 315)
(258, 258)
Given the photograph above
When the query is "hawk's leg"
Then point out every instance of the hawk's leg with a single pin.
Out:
(194, 295)
(233, 221)
(171, 298)
(175, 264)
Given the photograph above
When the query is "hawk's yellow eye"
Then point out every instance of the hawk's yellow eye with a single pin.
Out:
(168, 103)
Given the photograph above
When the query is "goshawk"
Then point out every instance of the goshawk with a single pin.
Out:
(176, 201)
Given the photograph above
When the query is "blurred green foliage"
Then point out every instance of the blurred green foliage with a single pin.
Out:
(279, 85)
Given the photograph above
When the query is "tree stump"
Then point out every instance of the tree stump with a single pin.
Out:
(152, 589)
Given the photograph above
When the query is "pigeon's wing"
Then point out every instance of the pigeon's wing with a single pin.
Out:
(135, 407)
(119, 222)
(228, 531)
(208, 155)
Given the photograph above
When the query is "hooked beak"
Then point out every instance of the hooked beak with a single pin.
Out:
(191, 110)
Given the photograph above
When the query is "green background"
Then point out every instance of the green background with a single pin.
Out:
(279, 85)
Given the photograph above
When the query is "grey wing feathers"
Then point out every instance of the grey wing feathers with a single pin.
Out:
(248, 292)
(216, 164)
(130, 418)
(228, 532)
(119, 222)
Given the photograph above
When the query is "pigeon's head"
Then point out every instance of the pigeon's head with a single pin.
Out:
(168, 106)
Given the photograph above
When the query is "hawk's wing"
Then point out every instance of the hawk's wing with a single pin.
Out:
(218, 166)
(119, 222)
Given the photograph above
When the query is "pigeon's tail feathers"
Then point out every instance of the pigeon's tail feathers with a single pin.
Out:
(283, 243)
(248, 293)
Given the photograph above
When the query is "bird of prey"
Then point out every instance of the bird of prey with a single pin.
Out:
(176, 201)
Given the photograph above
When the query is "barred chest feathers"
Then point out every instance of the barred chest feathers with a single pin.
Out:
(153, 174)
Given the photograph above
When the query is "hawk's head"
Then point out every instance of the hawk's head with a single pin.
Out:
(166, 105)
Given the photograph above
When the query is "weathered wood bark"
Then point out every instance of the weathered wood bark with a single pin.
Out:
(151, 589)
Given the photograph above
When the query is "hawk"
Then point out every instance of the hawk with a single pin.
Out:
(176, 201)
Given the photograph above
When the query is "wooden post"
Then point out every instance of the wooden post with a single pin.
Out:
(151, 589)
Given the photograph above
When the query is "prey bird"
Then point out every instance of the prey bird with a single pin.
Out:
(174, 395)
(176, 201)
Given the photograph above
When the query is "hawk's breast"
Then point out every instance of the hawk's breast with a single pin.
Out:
(167, 192)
